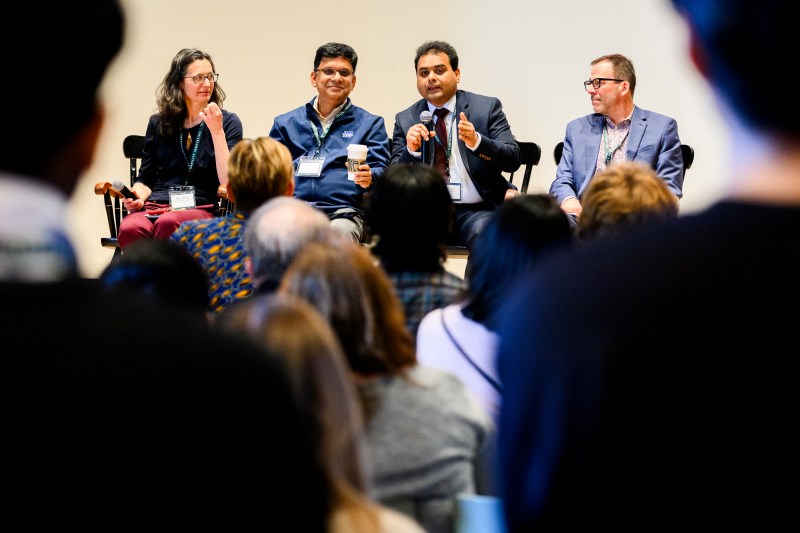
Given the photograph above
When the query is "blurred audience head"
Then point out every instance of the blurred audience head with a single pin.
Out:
(294, 331)
(518, 234)
(346, 285)
(259, 169)
(161, 271)
(276, 232)
(90, 34)
(716, 46)
(409, 214)
(624, 196)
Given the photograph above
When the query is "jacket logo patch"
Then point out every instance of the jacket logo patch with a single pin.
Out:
(347, 134)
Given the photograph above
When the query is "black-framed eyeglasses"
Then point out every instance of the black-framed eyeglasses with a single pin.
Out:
(200, 78)
(597, 82)
(329, 72)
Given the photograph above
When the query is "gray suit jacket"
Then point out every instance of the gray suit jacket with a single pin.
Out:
(498, 151)
(653, 139)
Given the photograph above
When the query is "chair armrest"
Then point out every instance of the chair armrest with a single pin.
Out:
(101, 187)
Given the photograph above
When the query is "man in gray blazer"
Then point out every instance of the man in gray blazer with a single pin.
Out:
(477, 142)
(617, 131)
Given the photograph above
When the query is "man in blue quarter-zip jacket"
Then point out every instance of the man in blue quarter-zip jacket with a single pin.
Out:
(318, 133)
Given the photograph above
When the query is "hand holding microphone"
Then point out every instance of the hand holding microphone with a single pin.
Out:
(426, 145)
(123, 190)
(126, 192)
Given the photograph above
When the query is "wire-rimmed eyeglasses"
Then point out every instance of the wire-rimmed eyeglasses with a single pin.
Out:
(329, 72)
(200, 78)
(595, 83)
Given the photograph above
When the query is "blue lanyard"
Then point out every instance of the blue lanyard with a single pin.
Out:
(321, 137)
(194, 149)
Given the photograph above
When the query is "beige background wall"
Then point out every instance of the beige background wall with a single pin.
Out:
(532, 54)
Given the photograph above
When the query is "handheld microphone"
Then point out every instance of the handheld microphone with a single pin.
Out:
(427, 146)
(122, 189)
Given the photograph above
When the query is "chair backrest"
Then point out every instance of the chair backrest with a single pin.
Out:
(557, 152)
(133, 149)
(529, 154)
(688, 157)
(686, 151)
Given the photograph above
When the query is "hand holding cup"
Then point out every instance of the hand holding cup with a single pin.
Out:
(356, 156)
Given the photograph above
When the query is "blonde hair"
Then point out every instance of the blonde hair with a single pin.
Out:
(259, 169)
(624, 196)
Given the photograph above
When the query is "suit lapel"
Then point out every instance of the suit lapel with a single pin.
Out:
(638, 127)
(462, 105)
(590, 157)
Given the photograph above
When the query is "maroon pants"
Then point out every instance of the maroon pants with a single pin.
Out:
(136, 225)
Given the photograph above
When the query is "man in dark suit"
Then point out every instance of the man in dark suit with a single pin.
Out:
(476, 145)
(119, 414)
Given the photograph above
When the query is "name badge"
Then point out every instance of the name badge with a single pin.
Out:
(309, 166)
(455, 190)
(181, 197)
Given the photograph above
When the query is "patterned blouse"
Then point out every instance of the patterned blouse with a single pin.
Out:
(218, 244)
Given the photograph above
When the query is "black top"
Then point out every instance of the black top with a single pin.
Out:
(166, 160)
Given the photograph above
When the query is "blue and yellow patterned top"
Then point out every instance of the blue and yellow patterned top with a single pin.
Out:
(218, 244)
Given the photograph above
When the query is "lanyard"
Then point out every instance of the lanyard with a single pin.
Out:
(610, 153)
(319, 138)
(194, 149)
(449, 149)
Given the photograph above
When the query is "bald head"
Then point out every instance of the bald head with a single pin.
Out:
(277, 231)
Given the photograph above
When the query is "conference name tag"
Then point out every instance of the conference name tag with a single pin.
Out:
(182, 197)
(455, 190)
(309, 166)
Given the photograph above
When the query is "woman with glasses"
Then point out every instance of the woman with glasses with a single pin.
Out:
(186, 149)
(616, 131)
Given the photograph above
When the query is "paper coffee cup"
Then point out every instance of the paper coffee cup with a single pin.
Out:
(356, 155)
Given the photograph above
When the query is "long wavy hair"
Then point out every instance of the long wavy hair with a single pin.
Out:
(294, 331)
(353, 292)
(169, 95)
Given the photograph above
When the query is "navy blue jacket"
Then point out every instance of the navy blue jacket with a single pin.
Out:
(498, 151)
(332, 190)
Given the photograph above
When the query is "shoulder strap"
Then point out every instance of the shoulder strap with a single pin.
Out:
(493, 382)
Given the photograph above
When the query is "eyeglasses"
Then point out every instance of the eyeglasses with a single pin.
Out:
(596, 82)
(329, 72)
(200, 78)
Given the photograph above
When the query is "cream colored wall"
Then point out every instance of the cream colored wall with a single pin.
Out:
(531, 54)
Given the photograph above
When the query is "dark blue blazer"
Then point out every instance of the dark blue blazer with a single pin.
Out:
(497, 152)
